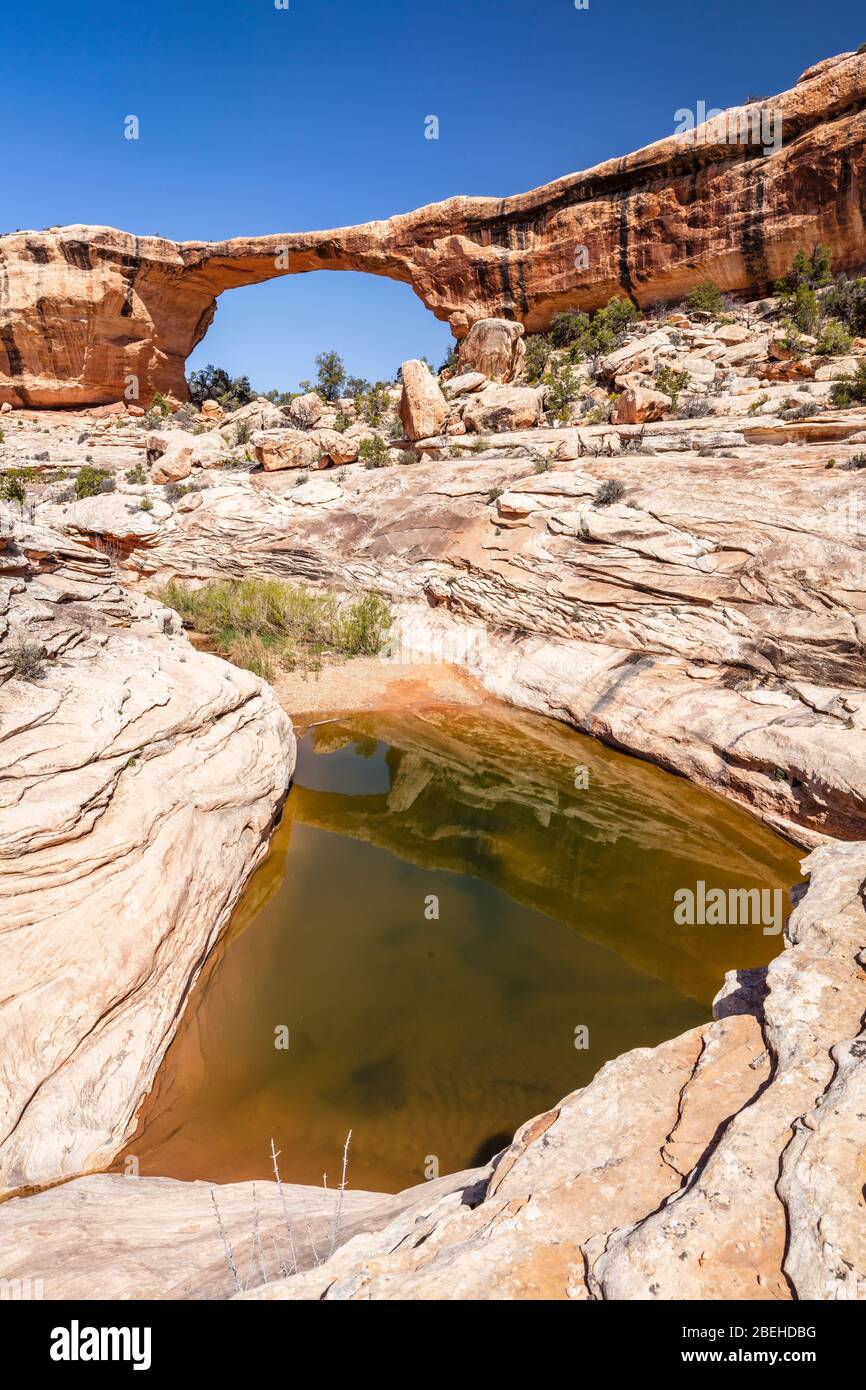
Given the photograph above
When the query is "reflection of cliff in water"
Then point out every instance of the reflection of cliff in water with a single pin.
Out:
(438, 1037)
(494, 796)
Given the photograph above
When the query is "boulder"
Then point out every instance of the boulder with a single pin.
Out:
(638, 404)
(499, 408)
(260, 414)
(212, 410)
(179, 453)
(839, 367)
(423, 408)
(626, 357)
(494, 348)
(276, 449)
(305, 411)
(334, 447)
(464, 383)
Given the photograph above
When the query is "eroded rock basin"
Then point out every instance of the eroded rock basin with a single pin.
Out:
(432, 1038)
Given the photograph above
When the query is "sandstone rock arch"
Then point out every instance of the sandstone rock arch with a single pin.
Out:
(84, 308)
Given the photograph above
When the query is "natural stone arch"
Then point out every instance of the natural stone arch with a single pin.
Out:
(83, 309)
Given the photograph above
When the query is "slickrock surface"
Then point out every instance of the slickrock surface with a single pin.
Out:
(139, 781)
(117, 1237)
(84, 308)
(712, 622)
(674, 1174)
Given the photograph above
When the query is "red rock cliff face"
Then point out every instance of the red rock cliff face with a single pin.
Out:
(85, 310)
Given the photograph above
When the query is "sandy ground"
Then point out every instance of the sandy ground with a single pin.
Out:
(367, 683)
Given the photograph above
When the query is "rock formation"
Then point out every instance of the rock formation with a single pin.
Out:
(89, 314)
(139, 782)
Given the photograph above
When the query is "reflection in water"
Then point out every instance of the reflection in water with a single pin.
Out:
(433, 1037)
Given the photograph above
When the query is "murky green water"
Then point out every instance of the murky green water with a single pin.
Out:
(442, 909)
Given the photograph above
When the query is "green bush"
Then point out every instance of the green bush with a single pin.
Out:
(374, 452)
(834, 339)
(850, 390)
(568, 328)
(804, 309)
(92, 481)
(706, 298)
(259, 622)
(671, 383)
(376, 404)
(538, 349)
(846, 301)
(13, 485)
(138, 474)
(810, 269)
(561, 394)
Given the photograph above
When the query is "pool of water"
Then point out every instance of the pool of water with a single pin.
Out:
(455, 898)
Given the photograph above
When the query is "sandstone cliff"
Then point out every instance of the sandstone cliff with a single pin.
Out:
(84, 308)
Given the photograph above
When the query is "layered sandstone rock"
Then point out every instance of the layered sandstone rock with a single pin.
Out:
(90, 314)
(139, 781)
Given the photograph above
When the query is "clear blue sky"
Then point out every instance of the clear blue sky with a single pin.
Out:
(257, 120)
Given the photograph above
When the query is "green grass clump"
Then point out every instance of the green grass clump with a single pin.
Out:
(261, 624)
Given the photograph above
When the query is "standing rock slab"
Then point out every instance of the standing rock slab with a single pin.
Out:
(423, 408)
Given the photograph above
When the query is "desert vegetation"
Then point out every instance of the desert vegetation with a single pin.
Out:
(265, 624)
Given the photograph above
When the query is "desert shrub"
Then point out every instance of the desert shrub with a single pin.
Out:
(92, 481)
(834, 339)
(145, 505)
(607, 328)
(694, 407)
(13, 485)
(568, 328)
(671, 383)
(212, 383)
(846, 301)
(342, 422)
(804, 309)
(855, 463)
(811, 270)
(257, 622)
(706, 298)
(538, 349)
(173, 492)
(561, 395)
(376, 404)
(241, 433)
(26, 660)
(138, 474)
(850, 390)
(374, 452)
(160, 405)
(609, 491)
